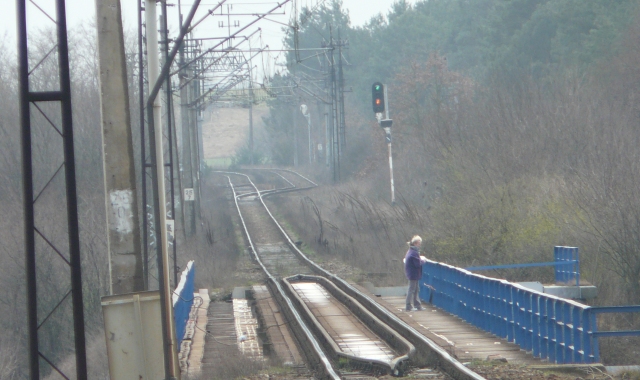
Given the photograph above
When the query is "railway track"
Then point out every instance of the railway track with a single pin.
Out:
(341, 332)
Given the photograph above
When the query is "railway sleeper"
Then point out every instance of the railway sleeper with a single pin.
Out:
(427, 352)
(401, 346)
(312, 357)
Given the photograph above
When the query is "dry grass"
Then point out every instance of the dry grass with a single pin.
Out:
(97, 361)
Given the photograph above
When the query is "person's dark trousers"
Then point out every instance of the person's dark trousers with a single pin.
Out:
(412, 295)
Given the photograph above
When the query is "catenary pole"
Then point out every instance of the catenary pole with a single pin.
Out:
(170, 136)
(155, 145)
(335, 135)
(143, 154)
(155, 135)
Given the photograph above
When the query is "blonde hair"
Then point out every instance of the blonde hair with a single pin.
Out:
(414, 239)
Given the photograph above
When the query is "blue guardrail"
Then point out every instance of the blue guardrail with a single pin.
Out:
(566, 263)
(571, 270)
(558, 330)
(183, 300)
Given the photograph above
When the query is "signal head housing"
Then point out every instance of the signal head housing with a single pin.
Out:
(377, 91)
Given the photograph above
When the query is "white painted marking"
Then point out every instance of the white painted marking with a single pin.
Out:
(189, 195)
(170, 231)
(121, 212)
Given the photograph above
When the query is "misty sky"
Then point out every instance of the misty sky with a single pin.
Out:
(78, 11)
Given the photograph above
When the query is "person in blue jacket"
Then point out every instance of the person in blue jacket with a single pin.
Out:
(413, 271)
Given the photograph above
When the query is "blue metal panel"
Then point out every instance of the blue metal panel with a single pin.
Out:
(544, 328)
(525, 265)
(567, 334)
(567, 255)
(616, 309)
(553, 331)
(496, 321)
(519, 317)
(595, 350)
(528, 321)
(578, 337)
(551, 328)
(505, 296)
(182, 307)
(617, 333)
(535, 324)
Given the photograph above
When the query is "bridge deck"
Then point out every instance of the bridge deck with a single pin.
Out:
(458, 337)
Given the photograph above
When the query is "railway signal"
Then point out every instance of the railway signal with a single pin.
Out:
(377, 91)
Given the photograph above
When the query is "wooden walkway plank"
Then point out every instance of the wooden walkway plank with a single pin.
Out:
(464, 340)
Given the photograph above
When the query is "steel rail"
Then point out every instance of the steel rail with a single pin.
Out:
(396, 366)
(319, 361)
(431, 353)
(434, 354)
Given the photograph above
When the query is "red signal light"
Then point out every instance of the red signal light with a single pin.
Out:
(377, 90)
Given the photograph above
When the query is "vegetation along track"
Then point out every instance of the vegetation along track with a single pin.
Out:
(329, 312)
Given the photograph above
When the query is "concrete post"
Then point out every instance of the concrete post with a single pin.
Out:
(295, 135)
(123, 241)
(195, 155)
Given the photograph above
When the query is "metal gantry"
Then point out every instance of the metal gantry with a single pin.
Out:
(43, 248)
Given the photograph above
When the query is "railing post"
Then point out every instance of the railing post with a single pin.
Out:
(530, 321)
(551, 326)
(556, 258)
(544, 327)
(458, 294)
(521, 318)
(455, 291)
(535, 325)
(517, 316)
(464, 298)
(560, 330)
(422, 290)
(511, 304)
(439, 297)
(446, 291)
(487, 307)
(476, 288)
(565, 330)
(564, 255)
(578, 337)
(569, 330)
(576, 266)
(505, 311)
(497, 322)
(594, 338)
(559, 334)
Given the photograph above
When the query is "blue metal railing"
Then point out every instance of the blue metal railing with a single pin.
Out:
(558, 330)
(566, 263)
(571, 272)
(609, 310)
(183, 300)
